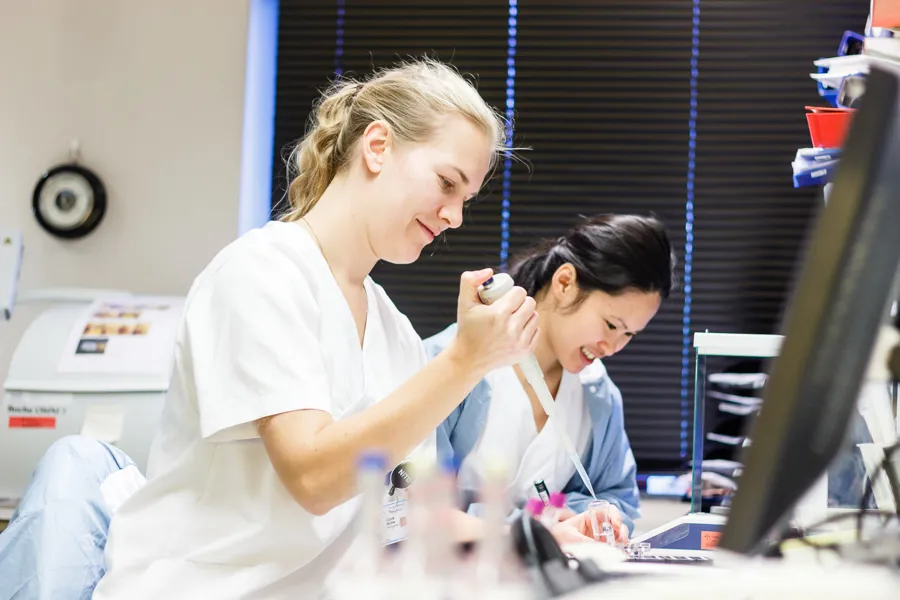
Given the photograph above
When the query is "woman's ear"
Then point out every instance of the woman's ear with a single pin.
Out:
(564, 285)
(375, 141)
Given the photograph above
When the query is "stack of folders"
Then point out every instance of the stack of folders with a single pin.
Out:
(814, 166)
(739, 402)
(841, 79)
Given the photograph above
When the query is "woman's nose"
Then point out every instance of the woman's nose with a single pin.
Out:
(451, 214)
(604, 347)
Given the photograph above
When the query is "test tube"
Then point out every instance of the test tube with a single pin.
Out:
(361, 572)
(598, 512)
(370, 477)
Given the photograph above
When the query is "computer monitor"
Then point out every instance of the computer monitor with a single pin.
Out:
(840, 299)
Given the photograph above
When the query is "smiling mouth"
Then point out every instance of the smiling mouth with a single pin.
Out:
(588, 354)
(426, 229)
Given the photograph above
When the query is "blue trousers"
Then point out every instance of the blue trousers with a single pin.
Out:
(53, 546)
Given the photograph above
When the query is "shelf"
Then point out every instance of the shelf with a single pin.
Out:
(737, 344)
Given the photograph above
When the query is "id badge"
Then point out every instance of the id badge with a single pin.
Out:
(395, 511)
(395, 508)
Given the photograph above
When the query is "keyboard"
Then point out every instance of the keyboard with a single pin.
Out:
(671, 559)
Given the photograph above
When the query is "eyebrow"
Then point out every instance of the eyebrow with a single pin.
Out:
(462, 175)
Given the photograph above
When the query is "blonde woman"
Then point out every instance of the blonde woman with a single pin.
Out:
(291, 361)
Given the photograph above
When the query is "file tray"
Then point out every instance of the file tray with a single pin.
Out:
(719, 344)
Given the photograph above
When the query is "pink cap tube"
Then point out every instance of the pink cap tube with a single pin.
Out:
(534, 507)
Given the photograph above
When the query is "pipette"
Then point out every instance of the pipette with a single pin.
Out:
(493, 289)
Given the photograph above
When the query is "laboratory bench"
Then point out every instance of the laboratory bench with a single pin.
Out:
(654, 512)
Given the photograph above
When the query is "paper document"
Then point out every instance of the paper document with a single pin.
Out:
(740, 410)
(717, 480)
(739, 380)
(817, 155)
(840, 67)
(103, 422)
(828, 80)
(729, 440)
(849, 63)
(721, 465)
(734, 398)
(737, 409)
(134, 336)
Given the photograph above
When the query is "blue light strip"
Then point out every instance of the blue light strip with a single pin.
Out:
(689, 235)
(255, 200)
(510, 111)
(339, 41)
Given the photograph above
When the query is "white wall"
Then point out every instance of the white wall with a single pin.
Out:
(154, 93)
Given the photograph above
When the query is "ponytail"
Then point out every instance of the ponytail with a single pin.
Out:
(317, 159)
(610, 253)
(532, 269)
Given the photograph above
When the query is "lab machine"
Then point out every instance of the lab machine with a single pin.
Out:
(71, 375)
(91, 363)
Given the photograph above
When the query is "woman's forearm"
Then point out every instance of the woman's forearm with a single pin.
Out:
(315, 456)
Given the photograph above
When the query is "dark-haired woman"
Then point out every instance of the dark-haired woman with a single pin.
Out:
(596, 288)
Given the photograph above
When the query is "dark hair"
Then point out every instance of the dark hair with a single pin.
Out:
(610, 253)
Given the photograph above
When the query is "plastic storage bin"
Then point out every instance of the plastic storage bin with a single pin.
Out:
(828, 126)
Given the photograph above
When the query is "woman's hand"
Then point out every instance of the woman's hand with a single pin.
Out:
(580, 529)
(620, 530)
(564, 514)
(572, 532)
(497, 335)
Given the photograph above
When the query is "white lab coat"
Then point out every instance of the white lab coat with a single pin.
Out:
(511, 437)
(266, 330)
